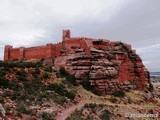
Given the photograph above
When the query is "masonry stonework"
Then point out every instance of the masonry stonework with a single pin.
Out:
(108, 66)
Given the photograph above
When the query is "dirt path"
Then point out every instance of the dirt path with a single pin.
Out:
(91, 98)
(66, 113)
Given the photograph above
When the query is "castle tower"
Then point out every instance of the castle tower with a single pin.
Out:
(7, 49)
(66, 35)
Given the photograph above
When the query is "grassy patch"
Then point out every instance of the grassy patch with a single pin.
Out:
(76, 115)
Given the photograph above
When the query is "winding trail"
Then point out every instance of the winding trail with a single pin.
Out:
(88, 97)
(67, 112)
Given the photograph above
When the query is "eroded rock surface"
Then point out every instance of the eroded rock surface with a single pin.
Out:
(109, 66)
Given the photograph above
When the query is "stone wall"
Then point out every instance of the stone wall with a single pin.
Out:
(28, 53)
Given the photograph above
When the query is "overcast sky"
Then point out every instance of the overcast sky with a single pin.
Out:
(38, 22)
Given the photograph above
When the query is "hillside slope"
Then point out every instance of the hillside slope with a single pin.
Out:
(31, 91)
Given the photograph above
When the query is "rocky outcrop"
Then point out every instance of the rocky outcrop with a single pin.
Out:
(116, 67)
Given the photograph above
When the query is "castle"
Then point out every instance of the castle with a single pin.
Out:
(50, 50)
(68, 45)
(108, 66)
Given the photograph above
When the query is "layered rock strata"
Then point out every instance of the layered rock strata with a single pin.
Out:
(116, 67)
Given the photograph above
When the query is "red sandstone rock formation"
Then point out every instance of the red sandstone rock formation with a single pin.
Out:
(108, 66)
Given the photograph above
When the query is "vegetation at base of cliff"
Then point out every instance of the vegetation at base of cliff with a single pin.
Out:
(34, 92)
(70, 78)
(119, 93)
(47, 116)
(61, 90)
(105, 115)
(20, 64)
(150, 87)
(76, 115)
(24, 84)
(86, 85)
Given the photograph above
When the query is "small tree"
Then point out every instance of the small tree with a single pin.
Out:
(63, 72)
(106, 115)
(150, 87)
(45, 75)
(119, 93)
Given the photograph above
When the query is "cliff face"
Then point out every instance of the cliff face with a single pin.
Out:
(109, 66)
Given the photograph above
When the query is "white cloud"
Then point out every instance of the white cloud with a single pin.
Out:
(27, 20)
(150, 48)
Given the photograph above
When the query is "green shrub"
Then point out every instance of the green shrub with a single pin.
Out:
(19, 114)
(58, 88)
(34, 74)
(106, 115)
(15, 95)
(45, 75)
(7, 109)
(2, 73)
(48, 69)
(87, 86)
(76, 115)
(1, 63)
(71, 95)
(59, 99)
(2, 100)
(90, 105)
(119, 93)
(4, 82)
(8, 84)
(150, 87)
(96, 92)
(5, 69)
(71, 79)
(21, 73)
(21, 108)
(47, 116)
(89, 117)
(20, 64)
(39, 64)
(63, 72)
(61, 90)
(22, 78)
(37, 70)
